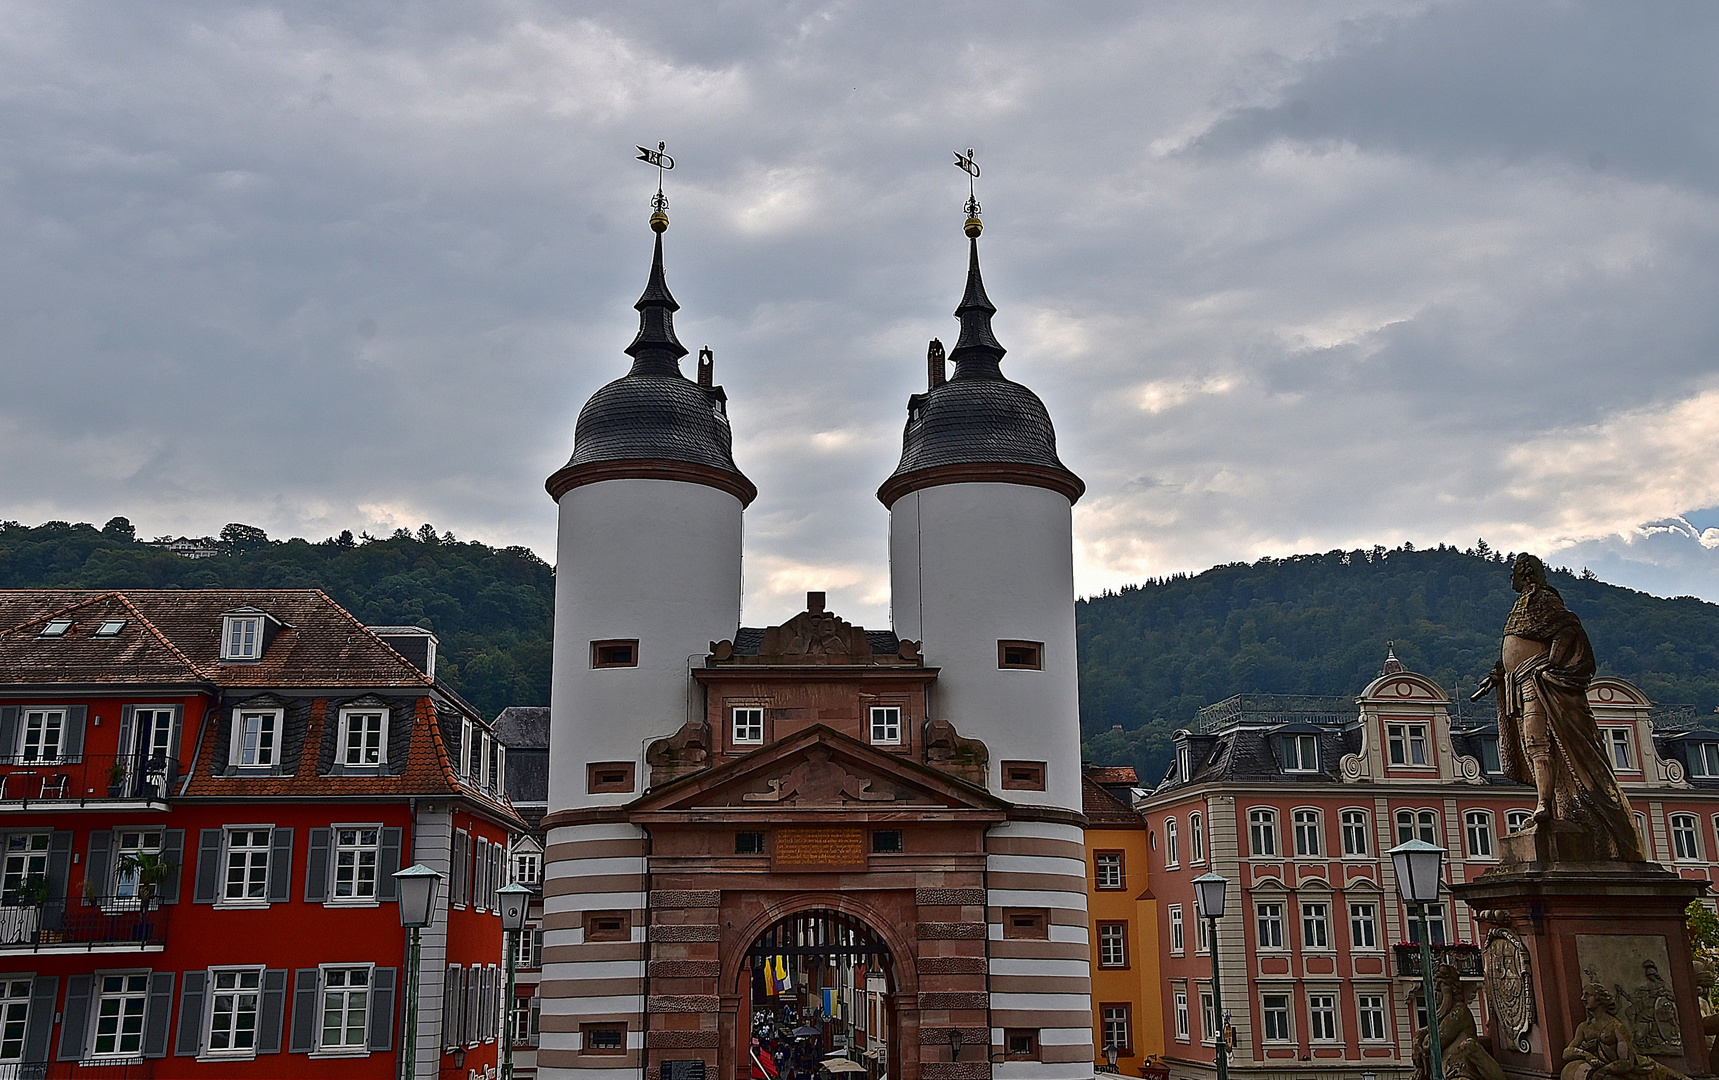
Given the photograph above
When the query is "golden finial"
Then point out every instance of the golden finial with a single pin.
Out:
(659, 201)
(966, 164)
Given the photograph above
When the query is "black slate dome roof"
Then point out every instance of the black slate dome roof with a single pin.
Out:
(979, 417)
(654, 415)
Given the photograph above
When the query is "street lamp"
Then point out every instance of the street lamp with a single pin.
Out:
(1420, 868)
(1110, 1055)
(515, 903)
(417, 889)
(1209, 896)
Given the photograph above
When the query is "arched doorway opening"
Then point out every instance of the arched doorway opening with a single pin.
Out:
(818, 988)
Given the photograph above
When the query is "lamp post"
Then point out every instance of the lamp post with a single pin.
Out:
(1110, 1055)
(1209, 896)
(515, 902)
(1420, 867)
(417, 889)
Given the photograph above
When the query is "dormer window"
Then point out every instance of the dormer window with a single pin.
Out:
(1704, 759)
(1184, 764)
(241, 637)
(110, 628)
(363, 737)
(1407, 743)
(256, 738)
(1300, 753)
(1489, 754)
(56, 628)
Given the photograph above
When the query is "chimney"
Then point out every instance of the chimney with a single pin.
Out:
(815, 603)
(706, 367)
(934, 364)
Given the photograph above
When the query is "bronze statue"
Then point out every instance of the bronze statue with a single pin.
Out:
(1463, 1055)
(1604, 1047)
(1546, 731)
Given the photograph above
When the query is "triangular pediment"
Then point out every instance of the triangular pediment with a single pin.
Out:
(818, 769)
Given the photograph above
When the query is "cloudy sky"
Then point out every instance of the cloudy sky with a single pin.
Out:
(1290, 276)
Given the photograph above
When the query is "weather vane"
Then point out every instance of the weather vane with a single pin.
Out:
(967, 165)
(659, 202)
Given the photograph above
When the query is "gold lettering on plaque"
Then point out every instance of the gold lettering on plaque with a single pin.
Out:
(820, 847)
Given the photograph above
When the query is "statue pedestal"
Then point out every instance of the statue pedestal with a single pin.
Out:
(1566, 923)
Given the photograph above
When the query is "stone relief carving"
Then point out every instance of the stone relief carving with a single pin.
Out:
(1463, 1056)
(1469, 769)
(820, 782)
(686, 751)
(1605, 1046)
(1629, 966)
(1509, 986)
(1354, 766)
(947, 751)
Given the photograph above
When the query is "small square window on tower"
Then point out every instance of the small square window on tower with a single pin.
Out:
(1021, 1044)
(607, 926)
(1024, 655)
(604, 1038)
(607, 777)
(1025, 923)
(1024, 775)
(615, 653)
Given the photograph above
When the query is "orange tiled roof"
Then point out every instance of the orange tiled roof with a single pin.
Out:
(1102, 808)
(1113, 774)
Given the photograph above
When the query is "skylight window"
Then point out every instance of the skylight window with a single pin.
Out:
(56, 628)
(110, 628)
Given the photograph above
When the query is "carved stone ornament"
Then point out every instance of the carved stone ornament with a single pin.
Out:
(1464, 1055)
(1509, 985)
(1470, 770)
(820, 782)
(1606, 1044)
(948, 751)
(686, 751)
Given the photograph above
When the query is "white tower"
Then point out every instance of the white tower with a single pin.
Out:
(648, 574)
(981, 555)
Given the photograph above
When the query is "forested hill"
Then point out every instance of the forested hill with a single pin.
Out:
(1150, 655)
(490, 607)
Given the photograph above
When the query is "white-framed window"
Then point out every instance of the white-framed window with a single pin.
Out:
(122, 999)
(357, 851)
(247, 862)
(1262, 831)
(26, 865)
(528, 948)
(1112, 944)
(1363, 926)
(1623, 754)
(1107, 870)
(1685, 838)
(1413, 824)
(256, 738)
(1307, 833)
(345, 1025)
(1268, 924)
(486, 752)
(1354, 826)
(1180, 997)
(885, 726)
(41, 736)
(1178, 941)
(748, 725)
(57, 627)
(131, 844)
(1477, 827)
(1196, 839)
(1704, 759)
(363, 737)
(1322, 1017)
(527, 867)
(234, 996)
(1407, 743)
(14, 1017)
(1274, 1010)
(1300, 753)
(1316, 925)
(1435, 925)
(1208, 1018)
(241, 637)
(1370, 1010)
(1172, 844)
(1115, 1024)
(468, 749)
(1517, 820)
(1184, 764)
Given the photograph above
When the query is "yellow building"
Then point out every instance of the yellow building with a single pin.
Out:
(1127, 1002)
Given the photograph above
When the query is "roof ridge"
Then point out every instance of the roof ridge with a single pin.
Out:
(59, 612)
(161, 636)
(425, 679)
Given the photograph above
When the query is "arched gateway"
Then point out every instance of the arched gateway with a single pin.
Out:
(817, 986)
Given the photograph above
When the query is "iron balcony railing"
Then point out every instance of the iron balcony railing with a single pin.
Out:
(30, 923)
(87, 1069)
(1464, 958)
(1273, 709)
(60, 778)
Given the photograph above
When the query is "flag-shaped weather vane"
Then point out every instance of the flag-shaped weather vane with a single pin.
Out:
(659, 202)
(966, 164)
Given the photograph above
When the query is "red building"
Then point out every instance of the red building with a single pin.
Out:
(1295, 801)
(204, 795)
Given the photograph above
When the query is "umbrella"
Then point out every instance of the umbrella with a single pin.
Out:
(806, 1032)
(844, 1066)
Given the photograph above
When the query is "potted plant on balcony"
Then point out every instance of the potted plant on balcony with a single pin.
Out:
(151, 868)
(116, 774)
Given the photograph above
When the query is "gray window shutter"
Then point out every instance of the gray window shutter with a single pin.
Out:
(9, 732)
(474, 988)
(316, 866)
(158, 1014)
(451, 1008)
(304, 1011)
(98, 865)
(72, 749)
(191, 1014)
(457, 887)
(74, 1022)
(280, 865)
(127, 730)
(173, 850)
(59, 861)
(389, 860)
(208, 866)
(274, 1007)
(382, 982)
(44, 994)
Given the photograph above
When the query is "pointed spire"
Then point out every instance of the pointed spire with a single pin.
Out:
(977, 351)
(1392, 666)
(656, 351)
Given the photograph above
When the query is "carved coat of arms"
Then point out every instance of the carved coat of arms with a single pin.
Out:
(1509, 985)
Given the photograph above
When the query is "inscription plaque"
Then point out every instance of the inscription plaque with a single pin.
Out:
(820, 849)
(683, 1070)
